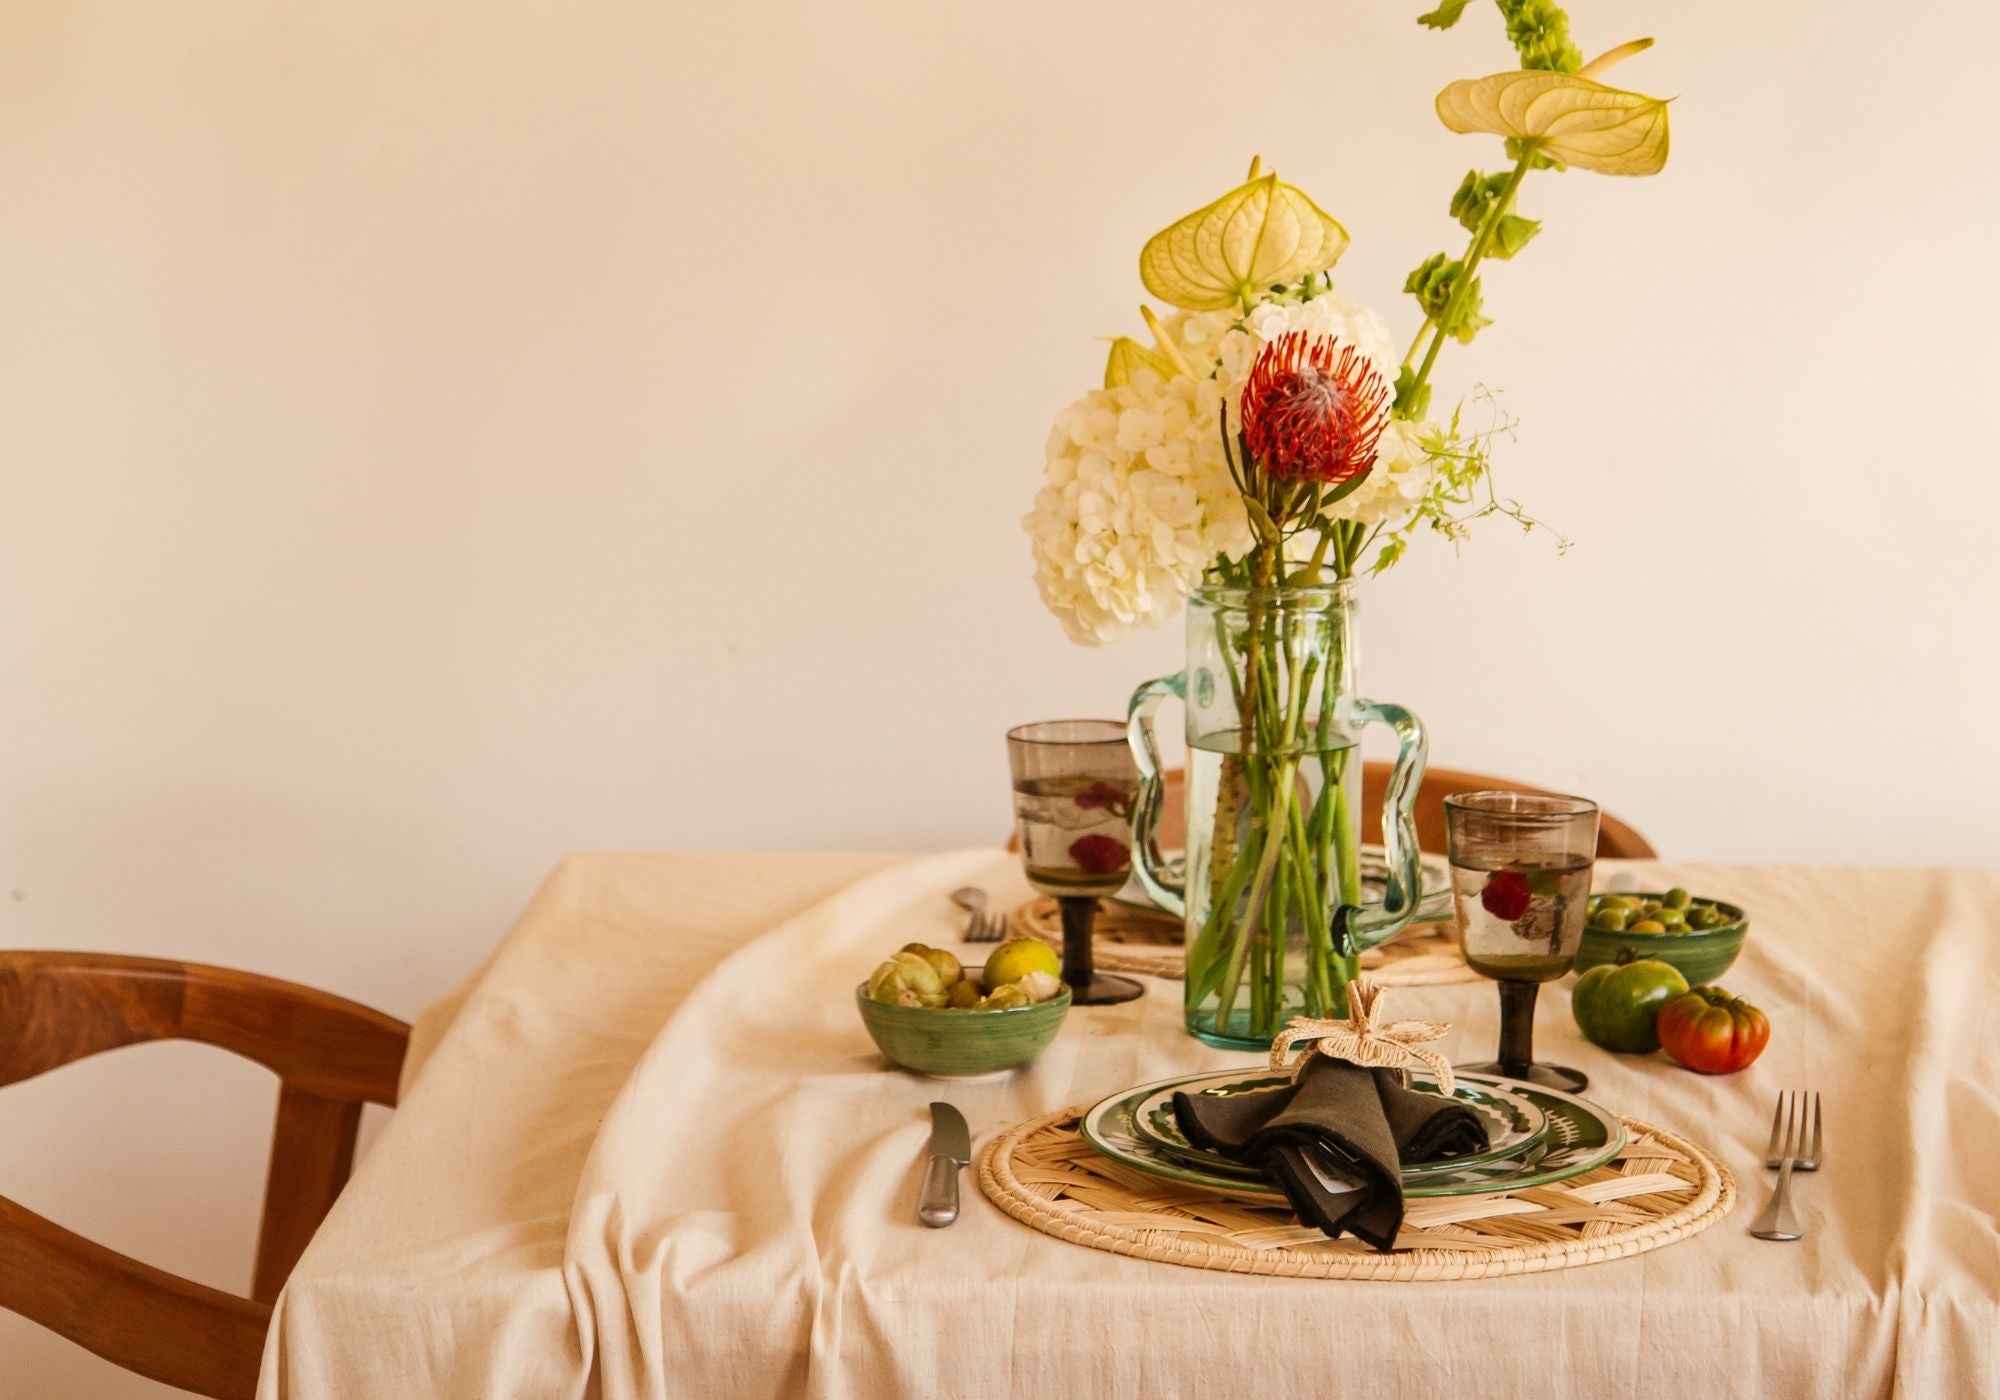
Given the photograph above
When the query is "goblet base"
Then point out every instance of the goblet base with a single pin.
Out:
(1105, 989)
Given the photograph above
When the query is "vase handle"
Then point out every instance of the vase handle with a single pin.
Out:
(1159, 877)
(1375, 924)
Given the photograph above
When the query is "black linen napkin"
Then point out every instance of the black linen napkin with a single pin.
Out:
(1334, 1141)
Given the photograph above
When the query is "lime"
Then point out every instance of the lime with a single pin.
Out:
(1018, 957)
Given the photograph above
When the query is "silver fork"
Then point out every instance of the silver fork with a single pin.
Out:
(1790, 1149)
(985, 926)
(1807, 1158)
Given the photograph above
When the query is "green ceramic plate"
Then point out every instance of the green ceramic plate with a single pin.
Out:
(1579, 1136)
(1513, 1125)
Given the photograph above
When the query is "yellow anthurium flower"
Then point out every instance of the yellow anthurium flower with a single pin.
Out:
(1568, 117)
(1261, 233)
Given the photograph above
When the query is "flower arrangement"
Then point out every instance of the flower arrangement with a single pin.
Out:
(1267, 445)
(1153, 485)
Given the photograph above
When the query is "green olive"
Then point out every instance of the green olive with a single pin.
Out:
(1613, 917)
(1650, 908)
(1677, 898)
(1673, 920)
(1648, 926)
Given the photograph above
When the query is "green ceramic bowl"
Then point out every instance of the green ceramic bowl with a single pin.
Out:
(1701, 956)
(943, 1041)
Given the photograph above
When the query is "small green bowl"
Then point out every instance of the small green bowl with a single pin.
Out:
(950, 1043)
(1702, 955)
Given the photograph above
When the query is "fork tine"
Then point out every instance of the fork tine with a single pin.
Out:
(1813, 1161)
(1771, 1156)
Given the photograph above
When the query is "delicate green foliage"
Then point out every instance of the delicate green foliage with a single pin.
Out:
(1435, 286)
(1260, 520)
(1412, 398)
(1539, 32)
(1462, 488)
(1474, 198)
(1511, 235)
(1445, 15)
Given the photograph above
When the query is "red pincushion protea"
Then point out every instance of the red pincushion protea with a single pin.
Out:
(1313, 409)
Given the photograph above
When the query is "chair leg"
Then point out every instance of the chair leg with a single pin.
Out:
(312, 1152)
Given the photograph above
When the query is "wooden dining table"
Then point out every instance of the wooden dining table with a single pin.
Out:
(648, 1150)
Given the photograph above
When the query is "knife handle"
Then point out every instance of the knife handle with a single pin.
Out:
(937, 1206)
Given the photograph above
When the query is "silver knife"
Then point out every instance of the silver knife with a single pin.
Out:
(951, 1148)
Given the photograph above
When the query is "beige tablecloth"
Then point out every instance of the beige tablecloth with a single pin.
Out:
(650, 1152)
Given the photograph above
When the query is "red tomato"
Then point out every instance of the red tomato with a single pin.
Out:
(1709, 1030)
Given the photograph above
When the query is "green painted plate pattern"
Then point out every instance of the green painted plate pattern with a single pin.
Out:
(1579, 1136)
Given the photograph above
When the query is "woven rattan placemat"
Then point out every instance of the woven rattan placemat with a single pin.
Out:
(1660, 1189)
(1148, 942)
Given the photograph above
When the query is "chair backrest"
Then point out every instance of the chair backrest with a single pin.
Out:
(1614, 838)
(330, 1055)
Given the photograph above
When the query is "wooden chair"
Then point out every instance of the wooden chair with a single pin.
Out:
(1614, 837)
(330, 1056)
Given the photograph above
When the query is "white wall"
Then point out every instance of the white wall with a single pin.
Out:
(438, 436)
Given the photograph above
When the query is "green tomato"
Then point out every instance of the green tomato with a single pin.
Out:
(1616, 1005)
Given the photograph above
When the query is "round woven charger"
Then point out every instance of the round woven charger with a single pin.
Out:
(1148, 942)
(1660, 1189)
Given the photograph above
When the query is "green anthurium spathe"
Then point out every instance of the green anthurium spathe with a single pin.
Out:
(1261, 233)
(1570, 118)
(1127, 357)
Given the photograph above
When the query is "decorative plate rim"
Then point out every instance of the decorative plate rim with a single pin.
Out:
(1147, 1158)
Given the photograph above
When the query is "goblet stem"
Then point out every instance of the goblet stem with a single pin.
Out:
(1079, 923)
(1088, 986)
(1517, 1027)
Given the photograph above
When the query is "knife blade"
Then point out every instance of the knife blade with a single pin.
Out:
(950, 1149)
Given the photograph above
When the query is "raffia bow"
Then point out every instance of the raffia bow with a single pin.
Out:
(1362, 1040)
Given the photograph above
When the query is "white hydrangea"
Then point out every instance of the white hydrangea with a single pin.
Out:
(1137, 504)
(1138, 501)
(1401, 479)
(1225, 340)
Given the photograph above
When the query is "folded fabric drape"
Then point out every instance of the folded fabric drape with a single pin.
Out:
(1334, 1141)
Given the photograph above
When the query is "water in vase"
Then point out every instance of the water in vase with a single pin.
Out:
(1314, 870)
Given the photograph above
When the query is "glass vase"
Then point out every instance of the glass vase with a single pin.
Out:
(1270, 885)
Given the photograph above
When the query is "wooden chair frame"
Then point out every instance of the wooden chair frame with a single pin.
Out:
(330, 1055)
